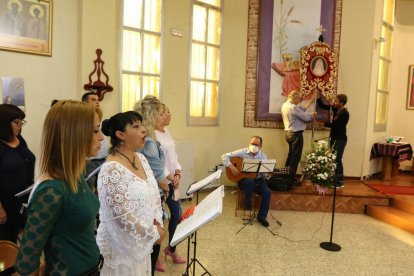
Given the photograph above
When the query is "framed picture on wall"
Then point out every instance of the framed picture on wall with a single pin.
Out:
(410, 89)
(26, 26)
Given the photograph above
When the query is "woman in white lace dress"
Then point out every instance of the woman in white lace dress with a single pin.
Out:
(130, 212)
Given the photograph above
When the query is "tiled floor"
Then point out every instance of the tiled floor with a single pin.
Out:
(369, 247)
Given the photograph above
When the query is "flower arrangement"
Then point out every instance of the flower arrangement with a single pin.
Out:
(319, 165)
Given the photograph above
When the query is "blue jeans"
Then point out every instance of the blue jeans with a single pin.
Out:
(176, 213)
(339, 147)
(295, 141)
(259, 186)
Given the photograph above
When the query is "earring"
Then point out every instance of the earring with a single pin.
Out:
(122, 142)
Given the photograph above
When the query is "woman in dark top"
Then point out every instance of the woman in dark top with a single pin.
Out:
(338, 138)
(16, 171)
(62, 208)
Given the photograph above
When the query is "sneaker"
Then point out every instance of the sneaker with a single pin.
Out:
(263, 222)
(338, 185)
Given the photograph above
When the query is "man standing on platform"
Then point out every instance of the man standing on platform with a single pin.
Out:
(338, 138)
(295, 118)
(251, 185)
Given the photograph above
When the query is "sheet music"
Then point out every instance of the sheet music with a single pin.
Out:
(257, 165)
(267, 165)
(210, 200)
(204, 182)
(196, 221)
(25, 191)
(250, 165)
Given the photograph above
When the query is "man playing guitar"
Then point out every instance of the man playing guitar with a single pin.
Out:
(256, 184)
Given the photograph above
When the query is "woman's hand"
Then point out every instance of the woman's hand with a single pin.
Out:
(177, 177)
(164, 186)
(161, 232)
(3, 215)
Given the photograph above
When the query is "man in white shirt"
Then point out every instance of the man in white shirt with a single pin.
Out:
(251, 185)
(295, 118)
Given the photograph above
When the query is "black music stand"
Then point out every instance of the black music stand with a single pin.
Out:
(256, 166)
(203, 219)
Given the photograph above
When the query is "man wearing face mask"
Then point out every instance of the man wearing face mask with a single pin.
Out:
(248, 185)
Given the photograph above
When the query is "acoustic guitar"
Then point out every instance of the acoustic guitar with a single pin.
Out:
(238, 163)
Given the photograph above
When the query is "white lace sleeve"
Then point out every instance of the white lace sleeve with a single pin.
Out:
(127, 212)
(153, 182)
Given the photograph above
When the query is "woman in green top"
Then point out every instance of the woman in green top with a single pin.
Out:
(62, 209)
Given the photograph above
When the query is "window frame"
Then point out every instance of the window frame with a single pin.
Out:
(142, 32)
(381, 127)
(203, 120)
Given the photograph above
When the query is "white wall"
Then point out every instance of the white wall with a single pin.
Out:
(47, 78)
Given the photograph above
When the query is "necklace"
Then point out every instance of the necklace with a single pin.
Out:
(131, 162)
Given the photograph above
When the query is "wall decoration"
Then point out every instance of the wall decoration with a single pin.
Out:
(410, 89)
(12, 91)
(318, 70)
(278, 29)
(26, 26)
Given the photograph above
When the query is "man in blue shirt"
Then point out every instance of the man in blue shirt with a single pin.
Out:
(250, 185)
(295, 118)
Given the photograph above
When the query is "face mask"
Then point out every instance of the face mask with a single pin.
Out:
(253, 148)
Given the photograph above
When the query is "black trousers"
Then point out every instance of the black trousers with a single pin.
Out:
(154, 256)
(295, 141)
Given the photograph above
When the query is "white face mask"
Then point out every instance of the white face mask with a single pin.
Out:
(253, 148)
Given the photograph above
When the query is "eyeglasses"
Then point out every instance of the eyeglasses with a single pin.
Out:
(253, 144)
(19, 122)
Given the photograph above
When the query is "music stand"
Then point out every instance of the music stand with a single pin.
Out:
(207, 211)
(256, 166)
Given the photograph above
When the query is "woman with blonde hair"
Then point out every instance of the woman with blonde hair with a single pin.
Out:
(62, 208)
(152, 113)
(173, 196)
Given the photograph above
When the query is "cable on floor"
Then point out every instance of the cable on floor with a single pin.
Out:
(288, 239)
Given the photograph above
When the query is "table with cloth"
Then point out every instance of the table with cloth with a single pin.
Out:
(392, 154)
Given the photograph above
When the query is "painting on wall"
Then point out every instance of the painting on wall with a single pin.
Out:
(26, 26)
(278, 29)
(410, 90)
(12, 91)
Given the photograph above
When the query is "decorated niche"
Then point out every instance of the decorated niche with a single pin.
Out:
(100, 87)
(318, 70)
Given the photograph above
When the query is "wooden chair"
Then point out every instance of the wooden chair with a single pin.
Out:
(8, 254)
(240, 203)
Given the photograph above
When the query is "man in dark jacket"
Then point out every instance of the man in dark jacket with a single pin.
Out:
(338, 138)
